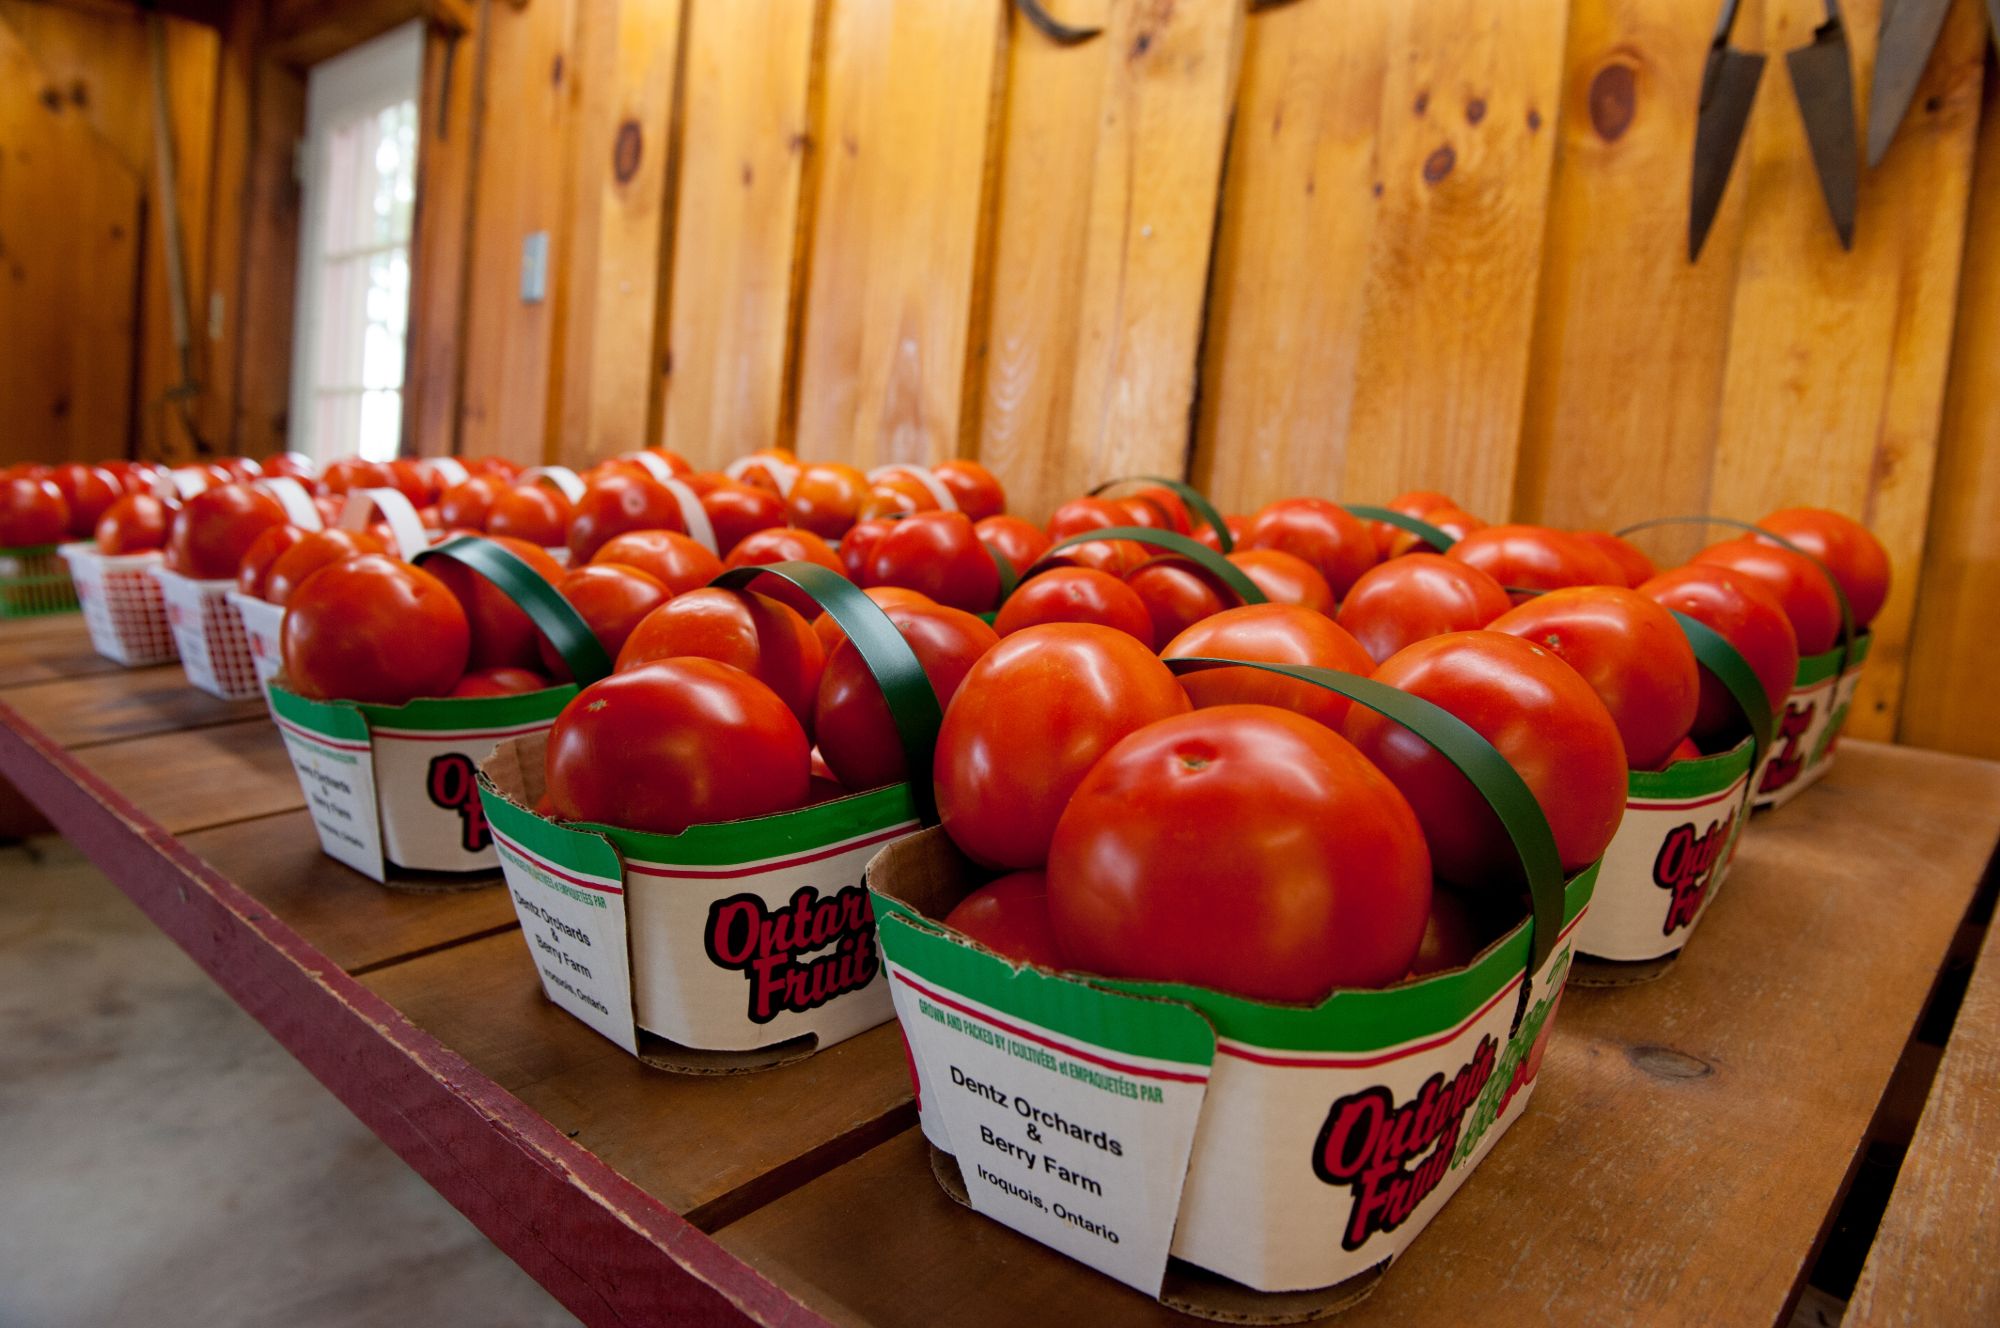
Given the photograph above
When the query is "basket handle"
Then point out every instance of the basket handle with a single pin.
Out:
(553, 616)
(1188, 494)
(1172, 542)
(405, 526)
(1441, 540)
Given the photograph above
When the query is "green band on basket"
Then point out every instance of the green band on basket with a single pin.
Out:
(1010, 575)
(1188, 494)
(1715, 654)
(1477, 759)
(905, 686)
(1172, 542)
(553, 616)
(1441, 540)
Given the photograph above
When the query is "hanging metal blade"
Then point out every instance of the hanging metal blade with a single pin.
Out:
(1728, 89)
(1823, 81)
(1909, 32)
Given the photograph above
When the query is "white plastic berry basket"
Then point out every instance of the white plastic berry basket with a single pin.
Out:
(34, 582)
(208, 629)
(122, 605)
(262, 625)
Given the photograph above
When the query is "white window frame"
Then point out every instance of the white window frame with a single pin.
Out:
(371, 77)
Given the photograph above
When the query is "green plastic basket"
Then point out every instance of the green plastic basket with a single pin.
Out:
(34, 582)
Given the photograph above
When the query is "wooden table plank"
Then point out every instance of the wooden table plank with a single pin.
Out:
(1689, 1141)
(1935, 1253)
(201, 778)
(100, 707)
(353, 921)
(43, 649)
(711, 1147)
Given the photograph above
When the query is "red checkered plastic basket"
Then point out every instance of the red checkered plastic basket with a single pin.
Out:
(215, 650)
(122, 605)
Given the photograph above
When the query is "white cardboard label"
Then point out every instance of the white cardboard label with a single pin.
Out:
(1663, 869)
(338, 777)
(574, 924)
(1082, 1150)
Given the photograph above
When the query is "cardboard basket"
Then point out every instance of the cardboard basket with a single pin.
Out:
(122, 605)
(1809, 729)
(34, 582)
(263, 624)
(208, 633)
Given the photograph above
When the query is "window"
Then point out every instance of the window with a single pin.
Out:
(358, 190)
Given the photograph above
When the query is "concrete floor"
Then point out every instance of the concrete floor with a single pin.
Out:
(163, 1161)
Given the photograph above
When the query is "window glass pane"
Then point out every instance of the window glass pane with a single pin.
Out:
(380, 422)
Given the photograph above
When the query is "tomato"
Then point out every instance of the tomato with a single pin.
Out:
(1017, 539)
(1076, 595)
(1010, 916)
(857, 547)
(466, 506)
(1028, 721)
(1243, 848)
(939, 554)
(241, 468)
(1081, 514)
(32, 512)
(413, 481)
(1541, 716)
(973, 487)
(826, 498)
(829, 632)
(675, 561)
(504, 681)
(1139, 512)
(899, 491)
(502, 633)
(1738, 607)
(851, 720)
(89, 491)
(1631, 652)
(780, 545)
(352, 473)
(1285, 578)
(1325, 534)
(291, 465)
(263, 551)
(1802, 587)
(612, 598)
(1629, 558)
(313, 551)
(1684, 750)
(136, 523)
(1176, 596)
(492, 465)
(1234, 525)
(1270, 634)
(1535, 558)
(1119, 558)
(216, 528)
(374, 629)
(1170, 513)
(534, 513)
(1419, 503)
(1419, 595)
(1849, 549)
(755, 633)
(1450, 520)
(766, 465)
(618, 502)
(1451, 937)
(737, 511)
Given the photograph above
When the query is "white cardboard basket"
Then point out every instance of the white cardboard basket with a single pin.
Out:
(214, 648)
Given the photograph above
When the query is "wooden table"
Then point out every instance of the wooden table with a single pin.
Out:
(1688, 1150)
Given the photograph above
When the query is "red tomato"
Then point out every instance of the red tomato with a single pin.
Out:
(857, 547)
(1168, 511)
(1242, 848)
(32, 512)
(414, 481)
(313, 551)
(1685, 750)
(1285, 578)
(502, 633)
(779, 545)
(291, 465)
(829, 632)
(615, 503)
(1631, 652)
(613, 599)
(675, 561)
(1010, 916)
(737, 511)
(136, 523)
(1017, 539)
(1076, 595)
(533, 513)
(1450, 520)
(1627, 556)
(755, 633)
(1270, 634)
(1325, 534)
(899, 491)
(761, 475)
(973, 487)
(1802, 587)
(1081, 514)
(263, 551)
(374, 629)
(352, 473)
(1119, 558)
(466, 506)
(1451, 937)
(678, 743)
(1535, 558)
(938, 553)
(216, 528)
(856, 732)
(1028, 721)
(1139, 512)
(1541, 716)
(1748, 618)
(1234, 525)
(1849, 549)
(1419, 503)
(492, 465)
(1419, 595)
(1176, 596)
(500, 682)
(826, 498)
(89, 491)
